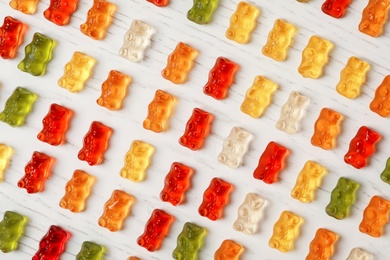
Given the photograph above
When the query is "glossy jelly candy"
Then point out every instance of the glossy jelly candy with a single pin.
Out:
(292, 112)
(314, 57)
(215, 198)
(322, 245)
(343, 196)
(258, 97)
(271, 162)
(95, 143)
(11, 229)
(116, 209)
(90, 251)
(133, 257)
(60, 11)
(352, 78)
(374, 17)
(18, 106)
(229, 250)
(76, 72)
(308, 180)
(197, 129)
(242, 23)
(37, 170)
(375, 216)
(304, 1)
(202, 11)
(326, 129)
(361, 147)
(136, 41)
(285, 231)
(11, 37)
(385, 175)
(156, 229)
(189, 242)
(114, 90)
(24, 6)
(52, 244)
(159, 111)
(176, 183)
(359, 254)
(77, 190)
(159, 3)
(55, 125)
(381, 102)
(99, 18)
(221, 77)
(234, 147)
(335, 8)
(279, 40)
(5, 158)
(137, 160)
(179, 63)
(249, 214)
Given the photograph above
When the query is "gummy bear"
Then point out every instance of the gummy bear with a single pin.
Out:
(95, 143)
(304, 1)
(189, 242)
(90, 251)
(375, 216)
(234, 147)
(197, 129)
(249, 214)
(133, 258)
(361, 147)
(229, 250)
(136, 40)
(292, 112)
(137, 160)
(326, 129)
(116, 209)
(215, 198)
(322, 245)
(335, 8)
(176, 183)
(156, 229)
(59, 11)
(359, 254)
(24, 6)
(11, 229)
(77, 190)
(352, 77)
(279, 40)
(258, 97)
(37, 170)
(308, 180)
(242, 23)
(55, 125)
(52, 244)
(159, 111)
(98, 20)
(114, 90)
(221, 77)
(314, 57)
(271, 162)
(202, 11)
(11, 37)
(381, 102)
(385, 175)
(37, 55)
(5, 158)
(18, 106)
(374, 17)
(179, 63)
(159, 3)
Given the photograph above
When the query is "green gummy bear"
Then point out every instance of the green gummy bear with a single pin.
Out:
(90, 251)
(189, 242)
(18, 106)
(385, 175)
(202, 11)
(11, 229)
(342, 197)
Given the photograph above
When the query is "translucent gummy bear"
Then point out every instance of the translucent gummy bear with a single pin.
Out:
(359, 254)
(285, 232)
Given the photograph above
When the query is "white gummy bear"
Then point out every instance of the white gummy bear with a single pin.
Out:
(359, 254)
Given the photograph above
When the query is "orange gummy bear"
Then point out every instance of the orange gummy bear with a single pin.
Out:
(375, 216)
(321, 247)
(229, 250)
(326, 129)
(374, 17)
(381, 102)
(114, 90)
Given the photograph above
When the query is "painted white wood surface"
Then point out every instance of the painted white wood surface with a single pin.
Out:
(172, 26)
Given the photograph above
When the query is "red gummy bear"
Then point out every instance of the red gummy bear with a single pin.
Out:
(37, 170)
(156, 229)
(361, 147)
(95, 143)
(335, 8)
(176, 183)
(59, 11)
(271, 162)
(160, 3)
(52, 244)
(11, 36)
(197, 128)
(221, 77)
(215, 197)
(55, 124)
